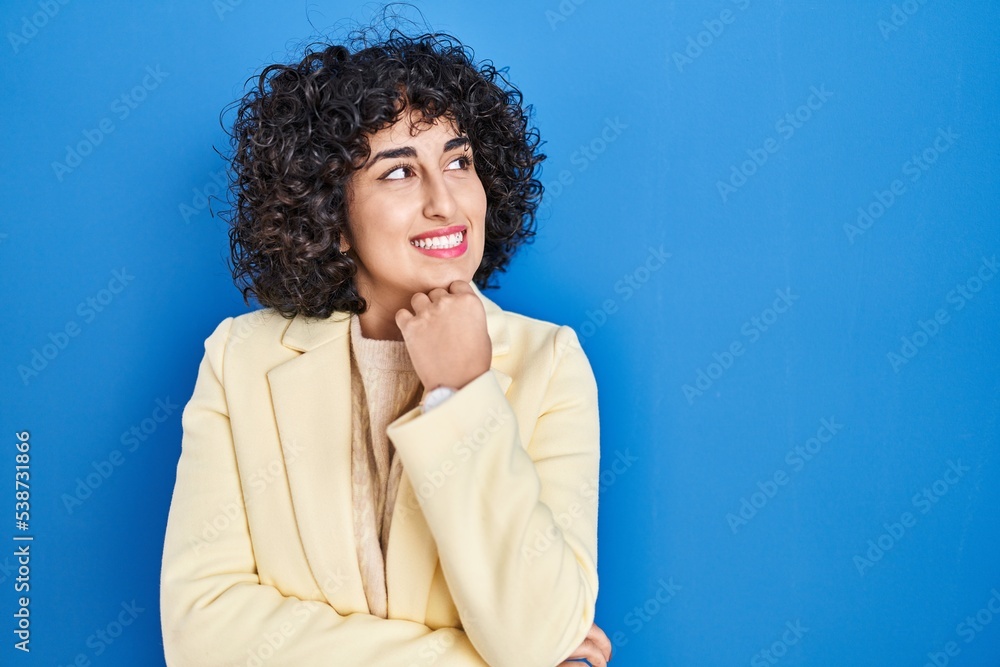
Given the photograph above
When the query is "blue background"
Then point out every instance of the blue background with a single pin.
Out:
(717, 535)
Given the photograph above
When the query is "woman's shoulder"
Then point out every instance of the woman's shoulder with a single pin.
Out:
(536, 337)
(532, 327)
(255, 328)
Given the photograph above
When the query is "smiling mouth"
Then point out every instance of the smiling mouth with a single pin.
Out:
(445, 242)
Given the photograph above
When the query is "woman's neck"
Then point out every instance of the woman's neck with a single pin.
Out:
(379, 324)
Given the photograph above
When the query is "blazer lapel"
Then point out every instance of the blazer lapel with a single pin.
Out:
(311, 395)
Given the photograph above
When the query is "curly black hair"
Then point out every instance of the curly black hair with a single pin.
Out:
(303, 130)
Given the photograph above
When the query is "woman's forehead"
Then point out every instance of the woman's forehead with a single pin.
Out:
(411, 129)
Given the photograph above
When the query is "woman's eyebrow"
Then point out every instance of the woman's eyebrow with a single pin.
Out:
(409, 151)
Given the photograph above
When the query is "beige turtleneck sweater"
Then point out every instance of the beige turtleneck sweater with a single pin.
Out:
(382, 368)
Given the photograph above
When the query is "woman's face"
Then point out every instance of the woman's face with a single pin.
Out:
(423, 185)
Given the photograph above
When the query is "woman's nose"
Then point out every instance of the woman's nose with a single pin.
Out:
(439, 198)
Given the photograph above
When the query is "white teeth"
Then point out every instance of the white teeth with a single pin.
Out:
(440, 242)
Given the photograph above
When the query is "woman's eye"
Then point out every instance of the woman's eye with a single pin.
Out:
(388, 176)
(464, 159)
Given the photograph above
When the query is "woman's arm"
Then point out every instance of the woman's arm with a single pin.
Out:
(516, 530)
(215, 611)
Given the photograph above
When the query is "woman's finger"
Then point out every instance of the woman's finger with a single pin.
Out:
(601, 640)
(589, 650)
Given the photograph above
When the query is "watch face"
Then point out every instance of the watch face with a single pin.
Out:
(436, 395)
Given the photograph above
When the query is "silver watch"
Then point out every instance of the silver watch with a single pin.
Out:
(435, 397)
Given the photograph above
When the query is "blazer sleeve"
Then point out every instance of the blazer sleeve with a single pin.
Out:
(214, 609)
(516, 528)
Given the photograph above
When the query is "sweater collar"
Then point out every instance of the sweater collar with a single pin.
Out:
(372, 353)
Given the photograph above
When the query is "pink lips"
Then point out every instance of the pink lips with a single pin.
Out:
(444, 252)
(446, 231)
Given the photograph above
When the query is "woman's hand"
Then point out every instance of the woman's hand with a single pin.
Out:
(596, 648)
(446, 336)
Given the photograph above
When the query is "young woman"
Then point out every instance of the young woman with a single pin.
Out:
(382, 466)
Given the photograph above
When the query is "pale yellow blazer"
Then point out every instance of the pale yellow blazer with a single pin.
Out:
(492, 554)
